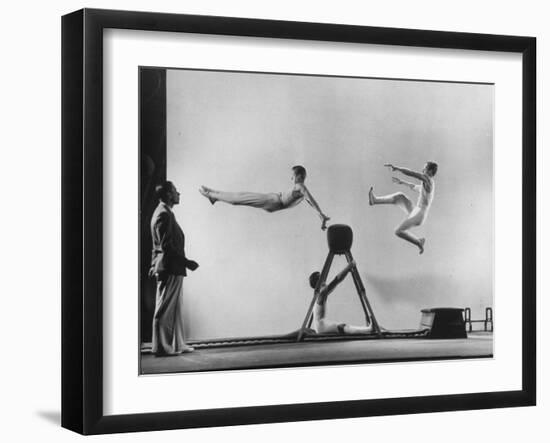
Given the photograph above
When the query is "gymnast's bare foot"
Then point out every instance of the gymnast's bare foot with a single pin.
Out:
(371, 196)
(207, 192)
(421, 245)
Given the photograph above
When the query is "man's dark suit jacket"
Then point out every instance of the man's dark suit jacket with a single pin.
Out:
(168, 243)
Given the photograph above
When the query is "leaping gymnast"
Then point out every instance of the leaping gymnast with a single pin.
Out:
(273, 201)
(416, 215)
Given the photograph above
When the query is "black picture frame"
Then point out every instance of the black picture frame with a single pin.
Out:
(82, 218)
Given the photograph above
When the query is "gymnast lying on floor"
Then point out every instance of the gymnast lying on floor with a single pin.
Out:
(320, 323)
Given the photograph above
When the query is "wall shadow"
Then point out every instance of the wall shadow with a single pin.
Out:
(53, 417)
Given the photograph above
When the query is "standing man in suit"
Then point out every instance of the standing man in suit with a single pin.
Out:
(168, 265)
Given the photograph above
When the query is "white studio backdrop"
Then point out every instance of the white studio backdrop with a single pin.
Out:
(244, 131)
(30, 183)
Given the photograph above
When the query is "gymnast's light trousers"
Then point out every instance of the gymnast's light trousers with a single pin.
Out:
(168, 334)
(269, 202)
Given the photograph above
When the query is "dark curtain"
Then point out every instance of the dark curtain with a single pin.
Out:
(152, 152)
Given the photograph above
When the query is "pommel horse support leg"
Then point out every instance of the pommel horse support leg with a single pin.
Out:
(340, 239)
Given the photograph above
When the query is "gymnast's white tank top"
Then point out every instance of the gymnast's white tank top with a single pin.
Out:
(425, 198)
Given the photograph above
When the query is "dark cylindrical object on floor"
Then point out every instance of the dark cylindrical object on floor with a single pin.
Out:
(444, 322)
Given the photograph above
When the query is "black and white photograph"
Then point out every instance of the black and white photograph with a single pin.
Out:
(291, 220)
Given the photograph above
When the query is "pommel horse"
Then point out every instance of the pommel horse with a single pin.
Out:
(340, 239)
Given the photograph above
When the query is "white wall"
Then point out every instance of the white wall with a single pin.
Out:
(243, 132)
(30, 183)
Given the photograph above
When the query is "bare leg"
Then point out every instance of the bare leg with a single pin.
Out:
(332, 327)
(398, 199)
(269, 202)
(350, 329)
(402, 231)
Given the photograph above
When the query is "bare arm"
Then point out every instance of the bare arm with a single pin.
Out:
(410, 173)
(309, 198)
(337, 279)
(413, 186)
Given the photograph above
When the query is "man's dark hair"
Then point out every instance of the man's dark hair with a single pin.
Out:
(300, 171)
(431, 167)
(314, 279)
(162, 190)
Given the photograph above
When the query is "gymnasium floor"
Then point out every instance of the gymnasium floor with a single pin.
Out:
(477, 345)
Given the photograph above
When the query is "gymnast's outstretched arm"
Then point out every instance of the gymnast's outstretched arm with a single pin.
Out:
(336, 280)
(409, 172)
(309, 198)
(413, 186)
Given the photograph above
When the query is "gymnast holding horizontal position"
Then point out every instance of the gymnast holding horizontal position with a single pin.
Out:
(273, 201)
(320, 323)
(416, 215)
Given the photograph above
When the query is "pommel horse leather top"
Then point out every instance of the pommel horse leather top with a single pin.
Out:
(340, 239)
